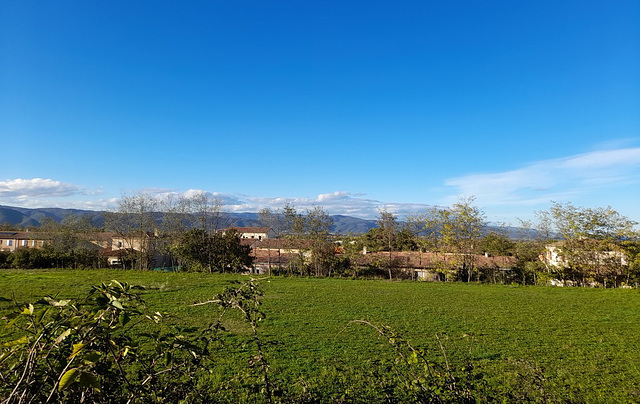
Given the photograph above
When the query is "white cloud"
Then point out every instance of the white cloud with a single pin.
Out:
(335, 196)
(557, 179)
(22, 188)
(41, 192)
(338, 202)
(342, 202)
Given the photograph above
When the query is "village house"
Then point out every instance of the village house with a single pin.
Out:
(554, 256)
(12, 240)
(256, 233)
(111, 245)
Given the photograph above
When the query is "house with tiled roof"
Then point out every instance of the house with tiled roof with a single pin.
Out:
(11, 240)
(256, 233)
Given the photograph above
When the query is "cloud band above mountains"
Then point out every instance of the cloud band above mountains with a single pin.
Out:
(38, 192)
(564, 179)
(556, 179)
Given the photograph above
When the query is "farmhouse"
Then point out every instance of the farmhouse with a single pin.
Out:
(12, 240)
(111, 245)
(556, 255)
(257, 233)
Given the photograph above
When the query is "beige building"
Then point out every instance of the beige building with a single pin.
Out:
(12, 240)
(256, 233)
(111, 245)
(553, 256)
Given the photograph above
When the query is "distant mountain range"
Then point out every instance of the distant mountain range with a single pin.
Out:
(32, 218)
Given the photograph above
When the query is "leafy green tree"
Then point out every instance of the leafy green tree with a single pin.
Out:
(458, 229)
(591, 247)
(317, 225)
(496, 244)
(69, 243)
(572, 222)
(388, 225)
(29, 258)
(632, 250)
(217, 252)
(528, 264)
(405, 240)
(229, 255)
(313, 229)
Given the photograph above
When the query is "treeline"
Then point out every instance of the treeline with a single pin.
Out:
(566, 244)
(187, 235)
(68, 244)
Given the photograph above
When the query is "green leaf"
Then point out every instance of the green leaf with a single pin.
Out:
(61, 303)
(92, 357)
(19, 341)
(62, 336)
(68, 378)
(124, 318)
(28, 310)
(117, 304)
(102, 301)
(39, 314)
(76, 349)
(89, 380)
(57, 303)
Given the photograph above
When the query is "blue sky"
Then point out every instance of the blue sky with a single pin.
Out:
(353, 106)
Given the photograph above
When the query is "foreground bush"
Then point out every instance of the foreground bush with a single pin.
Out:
(94, 350)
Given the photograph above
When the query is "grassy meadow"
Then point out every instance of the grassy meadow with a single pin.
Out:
(575, 344)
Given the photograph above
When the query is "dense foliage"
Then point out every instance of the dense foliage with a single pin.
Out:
(216, 252)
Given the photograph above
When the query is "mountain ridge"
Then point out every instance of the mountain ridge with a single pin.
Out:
(33, 217)
(342, 224)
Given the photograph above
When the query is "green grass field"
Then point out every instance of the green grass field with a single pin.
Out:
(584, 344)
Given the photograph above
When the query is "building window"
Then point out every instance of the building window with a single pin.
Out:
(25, 243)
(34, 243)
(9, 242)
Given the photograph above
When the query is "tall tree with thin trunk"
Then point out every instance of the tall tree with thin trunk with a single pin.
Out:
(388, 224)
(459, 230)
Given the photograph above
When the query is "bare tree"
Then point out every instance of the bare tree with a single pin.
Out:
(273, 219)
(206, 211)
(134, 221)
